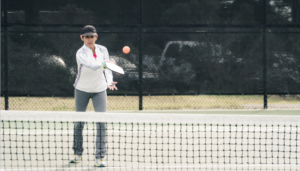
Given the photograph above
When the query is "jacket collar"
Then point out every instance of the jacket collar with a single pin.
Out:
(86, 47)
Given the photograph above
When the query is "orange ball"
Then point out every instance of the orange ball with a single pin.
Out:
(126, 49)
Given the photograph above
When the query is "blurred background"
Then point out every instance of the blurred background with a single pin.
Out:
(185, 54)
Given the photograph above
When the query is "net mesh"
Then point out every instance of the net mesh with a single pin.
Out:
(135, 141)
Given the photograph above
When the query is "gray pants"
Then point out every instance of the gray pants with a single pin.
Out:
(81, 102)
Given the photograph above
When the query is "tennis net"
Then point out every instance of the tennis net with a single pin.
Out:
(39, 140)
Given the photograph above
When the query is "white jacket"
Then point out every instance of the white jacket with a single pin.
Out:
(90, 76)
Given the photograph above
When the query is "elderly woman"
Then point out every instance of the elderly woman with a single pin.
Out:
(91, 82)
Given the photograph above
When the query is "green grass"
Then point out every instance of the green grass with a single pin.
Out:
(158, 102)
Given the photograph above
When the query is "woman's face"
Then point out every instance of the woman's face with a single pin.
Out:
(89, 40)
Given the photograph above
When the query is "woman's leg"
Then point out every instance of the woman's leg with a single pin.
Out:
(81, 101)
(100, 105)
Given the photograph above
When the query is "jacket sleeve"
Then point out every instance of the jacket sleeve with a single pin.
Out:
(108, 73)
(81, 58)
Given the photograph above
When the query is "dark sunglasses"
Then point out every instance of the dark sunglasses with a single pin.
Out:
(89, 36)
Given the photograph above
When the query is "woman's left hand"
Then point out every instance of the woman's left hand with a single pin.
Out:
(113, 87)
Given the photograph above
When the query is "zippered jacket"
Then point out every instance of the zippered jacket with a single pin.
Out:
(90, 76)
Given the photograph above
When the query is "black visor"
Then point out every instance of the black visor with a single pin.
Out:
(89, 30)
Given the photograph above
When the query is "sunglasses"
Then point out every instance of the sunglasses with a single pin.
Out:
(89, 36)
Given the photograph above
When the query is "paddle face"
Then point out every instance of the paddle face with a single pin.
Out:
(115, 68)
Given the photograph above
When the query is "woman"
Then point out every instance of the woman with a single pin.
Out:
(91, 82)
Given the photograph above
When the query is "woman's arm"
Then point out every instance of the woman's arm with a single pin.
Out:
(108, 73)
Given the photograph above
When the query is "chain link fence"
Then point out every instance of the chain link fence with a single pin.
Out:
(217, 54)
(172, 102)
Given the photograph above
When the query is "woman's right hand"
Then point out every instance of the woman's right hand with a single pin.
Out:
(111, 61)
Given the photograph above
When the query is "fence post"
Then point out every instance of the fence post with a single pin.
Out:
(5, 54)
(265, 60)
(141, 56)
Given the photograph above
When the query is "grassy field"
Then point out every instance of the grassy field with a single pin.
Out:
(159, 102)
